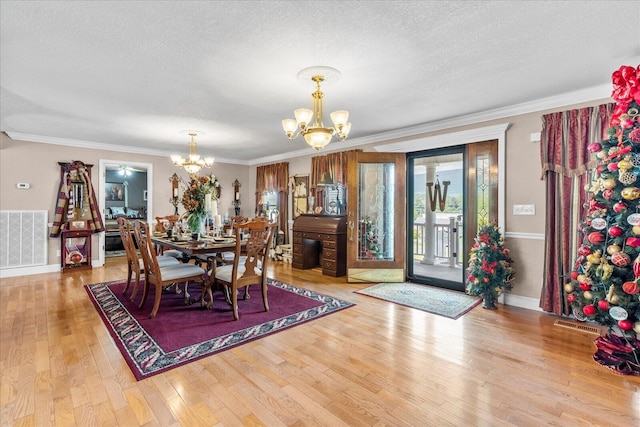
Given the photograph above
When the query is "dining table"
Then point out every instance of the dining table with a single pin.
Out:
(206, 249)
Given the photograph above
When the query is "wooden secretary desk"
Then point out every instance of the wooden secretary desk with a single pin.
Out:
(320, 240)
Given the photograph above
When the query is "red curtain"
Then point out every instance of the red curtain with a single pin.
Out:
(274, 178)
(335, 164)
(565, 163)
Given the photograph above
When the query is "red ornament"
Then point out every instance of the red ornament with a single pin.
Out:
(585, 286)
(620, 259)
(612, 167)
(594, 147)
(571, 297)
(619, 207)
(584, 250)
(589, 310)
(630, 288)
(596, 237)
(625, 324)
(615, 231)
(636, 266)
(574, 275)
(633, 242)
(603, 304)
(607, 194)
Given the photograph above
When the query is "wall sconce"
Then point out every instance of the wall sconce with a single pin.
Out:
(175, 197)
(236, 196)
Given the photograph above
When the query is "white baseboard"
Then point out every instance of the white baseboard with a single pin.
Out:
(24, 271)
(522, 302)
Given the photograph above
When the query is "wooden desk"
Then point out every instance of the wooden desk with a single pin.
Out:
(320, 240)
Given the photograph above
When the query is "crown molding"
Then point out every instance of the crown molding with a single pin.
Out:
(16, 136)
(556, 101)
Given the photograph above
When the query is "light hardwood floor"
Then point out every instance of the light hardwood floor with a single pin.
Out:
(373, 364)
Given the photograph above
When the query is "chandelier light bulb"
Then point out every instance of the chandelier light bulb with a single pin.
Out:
(194, 162)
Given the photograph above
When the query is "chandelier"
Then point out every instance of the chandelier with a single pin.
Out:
(315, 134)
(194, 163)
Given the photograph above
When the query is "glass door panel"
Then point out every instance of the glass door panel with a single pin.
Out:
(437, 207)
(376, 217)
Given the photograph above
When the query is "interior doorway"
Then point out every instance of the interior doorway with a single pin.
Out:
(125, 188)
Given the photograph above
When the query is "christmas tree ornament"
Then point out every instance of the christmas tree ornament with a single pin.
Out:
(636, 327)
(636, 229)
(630, 193)
(625, 164)
(594, 147)
(589, 310)
(595, 237)
(612, 167)
(612, 249)
(625, 325)
(598, 223)
(630, 288)
(587, 295)
(609, 184)
(633, 219)
(634, 242)
(615, 231)
(627, 178)
(620, 259)
(603, 305)
(568, 287)
(607, 194)
(619, 207)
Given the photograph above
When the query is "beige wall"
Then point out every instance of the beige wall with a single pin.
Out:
(42, 172)
(524, 234)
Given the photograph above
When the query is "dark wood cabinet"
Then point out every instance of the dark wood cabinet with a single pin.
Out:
(320, 241)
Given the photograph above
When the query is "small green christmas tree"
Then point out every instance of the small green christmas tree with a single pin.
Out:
(489, 271)
(605, 285)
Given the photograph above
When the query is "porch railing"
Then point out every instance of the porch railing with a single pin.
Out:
(448, 240)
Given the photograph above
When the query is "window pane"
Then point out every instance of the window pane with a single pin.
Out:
(376, 211)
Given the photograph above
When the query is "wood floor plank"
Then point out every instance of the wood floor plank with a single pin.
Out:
(376, 363)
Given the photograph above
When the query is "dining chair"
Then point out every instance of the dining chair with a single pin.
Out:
(161, 277)
(135, 264)
(248, 269)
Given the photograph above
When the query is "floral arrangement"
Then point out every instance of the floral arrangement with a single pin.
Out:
(490, 270)
(369, 240)
(195, 196)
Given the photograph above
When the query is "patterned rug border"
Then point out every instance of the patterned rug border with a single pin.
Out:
(148, 358)
(363, 291)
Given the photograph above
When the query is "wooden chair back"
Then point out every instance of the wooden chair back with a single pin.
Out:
(154, 274)
(249, 265)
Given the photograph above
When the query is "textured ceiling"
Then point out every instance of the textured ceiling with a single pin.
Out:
(135, 73)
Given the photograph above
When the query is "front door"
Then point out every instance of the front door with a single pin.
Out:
(451, 193)
(376, 217)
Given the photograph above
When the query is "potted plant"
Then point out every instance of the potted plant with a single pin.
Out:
(489, 272)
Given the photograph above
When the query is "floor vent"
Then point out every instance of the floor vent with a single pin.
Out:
(579, 327)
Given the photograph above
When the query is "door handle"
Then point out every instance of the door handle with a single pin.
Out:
(351, 226)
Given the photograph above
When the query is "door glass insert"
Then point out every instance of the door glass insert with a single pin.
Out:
(482, 189)
(376, 214)
(437, 192)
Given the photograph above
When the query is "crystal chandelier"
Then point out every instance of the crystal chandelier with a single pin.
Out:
(194, 163)
(315, 134)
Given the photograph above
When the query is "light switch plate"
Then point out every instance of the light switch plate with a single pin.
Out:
(524, 209)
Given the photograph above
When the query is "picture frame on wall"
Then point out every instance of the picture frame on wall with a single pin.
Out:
(114, 191)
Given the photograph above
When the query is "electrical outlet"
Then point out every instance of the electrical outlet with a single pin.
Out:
(524, 209)
(58, 254)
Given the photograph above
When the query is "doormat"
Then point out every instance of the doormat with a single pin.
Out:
(181, 333)
(445, 303)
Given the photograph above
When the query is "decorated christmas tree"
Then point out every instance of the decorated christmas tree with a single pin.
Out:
(489, 271)
(605, 285)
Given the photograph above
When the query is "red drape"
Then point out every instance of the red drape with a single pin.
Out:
(275, 177)
(335, 164)
(565, 162)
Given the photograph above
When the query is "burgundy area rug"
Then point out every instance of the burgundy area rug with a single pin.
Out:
(182, 333)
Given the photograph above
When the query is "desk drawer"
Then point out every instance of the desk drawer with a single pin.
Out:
(313, 236)
(328, 264)
(297, 258)
(328, 244)
(328, 254)
(297, 240)
(330, 237)
(297, 234)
